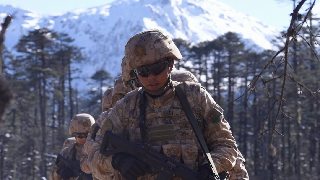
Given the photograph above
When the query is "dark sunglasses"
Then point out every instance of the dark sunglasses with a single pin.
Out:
(156, 68)
(80, 135)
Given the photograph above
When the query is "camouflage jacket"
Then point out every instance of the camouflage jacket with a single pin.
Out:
(87, 147)
(177, 140)
(239, 171)
(68, 153)
(69, 142)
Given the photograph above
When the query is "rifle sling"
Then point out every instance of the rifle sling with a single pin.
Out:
(186, 106)
(74, 153)
(192, 119)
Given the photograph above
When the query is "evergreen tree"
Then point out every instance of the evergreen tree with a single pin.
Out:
(233, 51)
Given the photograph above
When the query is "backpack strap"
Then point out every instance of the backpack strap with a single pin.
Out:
(192, 119)
(142, 119)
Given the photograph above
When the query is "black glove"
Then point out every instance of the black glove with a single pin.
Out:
(205, 171)
(129, 166)
(65, 173)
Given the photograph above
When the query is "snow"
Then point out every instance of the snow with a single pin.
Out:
(104, 30)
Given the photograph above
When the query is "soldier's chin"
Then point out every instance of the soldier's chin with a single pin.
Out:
(81, 142)
(153, 87)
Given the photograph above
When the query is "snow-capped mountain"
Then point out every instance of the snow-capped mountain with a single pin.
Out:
(103, 31)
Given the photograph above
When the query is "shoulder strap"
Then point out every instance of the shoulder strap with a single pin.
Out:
(142, 119)
(74, 151)
(192, 119)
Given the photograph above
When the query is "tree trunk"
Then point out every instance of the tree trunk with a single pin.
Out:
(256, 126)
(43, 115)
(206, 71)
(230, 114)
(245, 122)
(53, 125)
(70, 89)
(2, 155)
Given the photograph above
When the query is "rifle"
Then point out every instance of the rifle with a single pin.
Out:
(75, 167)
(165, 167)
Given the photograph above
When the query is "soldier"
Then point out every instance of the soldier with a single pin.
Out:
(110, 98)
(120, 90)
(149, 57)
(238, 172)
(107, 99)
(87, 147)
(105, 106)
(79, 128)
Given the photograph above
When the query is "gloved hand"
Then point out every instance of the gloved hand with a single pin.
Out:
(65, 173)
(205, 171)
(129, 166)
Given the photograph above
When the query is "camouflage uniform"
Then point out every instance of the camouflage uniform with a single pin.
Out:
(110, 98)
(69, 142)
(87, 147)
(107, 99)
(120, 90)
(239, 171)
(80, 123)
(183, 76)
(168, 128)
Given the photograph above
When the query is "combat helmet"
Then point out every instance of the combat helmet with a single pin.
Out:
(107, 99)
(119, 90)
(146, 48)
(128, 77)
(81, 123)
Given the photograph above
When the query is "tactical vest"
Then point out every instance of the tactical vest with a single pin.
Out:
(167, 127)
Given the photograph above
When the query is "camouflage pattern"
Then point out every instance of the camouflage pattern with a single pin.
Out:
(239, 171)
(119, 91)
(182, 76)
(67, 153)
(89, 147)
(168, 128)
(126, 74)
(107, 99)
(81, 123)
(146, 48)
(69, 142)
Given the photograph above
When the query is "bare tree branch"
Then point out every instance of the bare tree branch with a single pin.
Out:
(290, 36)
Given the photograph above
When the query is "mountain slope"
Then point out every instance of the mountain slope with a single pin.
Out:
(103, 31)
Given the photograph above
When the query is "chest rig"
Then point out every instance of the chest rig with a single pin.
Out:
(194, 121)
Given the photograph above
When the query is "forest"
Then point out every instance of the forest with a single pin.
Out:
(276, 124)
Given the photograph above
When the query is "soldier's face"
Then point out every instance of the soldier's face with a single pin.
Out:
(154, 82)
(81, 140)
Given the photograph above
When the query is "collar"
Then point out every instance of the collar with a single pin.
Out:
(159, 101)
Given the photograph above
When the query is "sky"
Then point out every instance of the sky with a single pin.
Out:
(271, 12)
